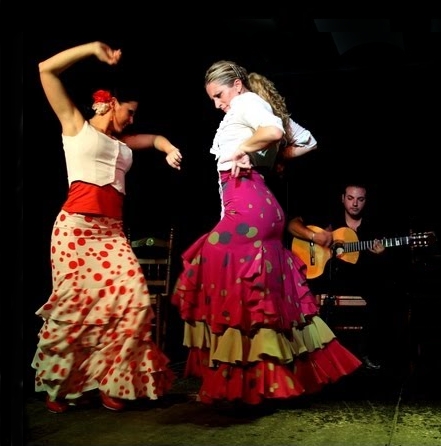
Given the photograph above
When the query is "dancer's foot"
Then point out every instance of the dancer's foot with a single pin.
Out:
(111, 403)
(56, 406)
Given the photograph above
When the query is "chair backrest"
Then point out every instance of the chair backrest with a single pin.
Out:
(155, 256)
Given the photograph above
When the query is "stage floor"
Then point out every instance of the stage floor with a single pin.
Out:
(388, 407)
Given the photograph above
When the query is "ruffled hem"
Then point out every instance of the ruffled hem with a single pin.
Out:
(250, 385)
(124, 381)
(73, 360)
(236, 367)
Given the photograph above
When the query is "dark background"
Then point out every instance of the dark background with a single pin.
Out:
(369, 91)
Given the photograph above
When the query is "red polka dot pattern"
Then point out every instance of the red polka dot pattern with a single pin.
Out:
(97, 322)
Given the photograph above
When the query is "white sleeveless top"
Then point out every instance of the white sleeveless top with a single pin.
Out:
(95, 158)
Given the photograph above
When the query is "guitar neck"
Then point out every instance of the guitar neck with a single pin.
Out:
(367, 244)
(347, 247)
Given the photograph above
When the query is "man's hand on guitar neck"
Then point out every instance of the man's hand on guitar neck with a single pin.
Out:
(377, 247)
(326, 239)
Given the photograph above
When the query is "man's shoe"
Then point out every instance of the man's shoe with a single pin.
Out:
(368, 364)
(111, 403)
(56, 406)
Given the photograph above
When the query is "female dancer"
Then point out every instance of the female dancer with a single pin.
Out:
(251, 322)
(96, 331)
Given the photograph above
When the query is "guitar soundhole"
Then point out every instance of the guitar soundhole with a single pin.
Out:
(338, 249)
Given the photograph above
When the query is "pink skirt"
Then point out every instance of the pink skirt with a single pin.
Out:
(251, 322)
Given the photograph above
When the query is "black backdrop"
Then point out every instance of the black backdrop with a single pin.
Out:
(373, 109)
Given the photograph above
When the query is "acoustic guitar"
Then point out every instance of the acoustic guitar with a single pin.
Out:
(347, 247)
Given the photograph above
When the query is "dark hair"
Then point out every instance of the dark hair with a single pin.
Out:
(359, 184)
(123, 92)
(126, 93)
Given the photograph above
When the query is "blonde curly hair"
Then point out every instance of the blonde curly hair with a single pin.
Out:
(266, 89)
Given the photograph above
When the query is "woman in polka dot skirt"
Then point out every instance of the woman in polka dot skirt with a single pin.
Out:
(96, 331)
(251, 322)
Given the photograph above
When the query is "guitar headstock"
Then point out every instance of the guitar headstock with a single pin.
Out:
(421, 239)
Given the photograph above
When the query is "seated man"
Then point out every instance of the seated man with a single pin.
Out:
(365, 274)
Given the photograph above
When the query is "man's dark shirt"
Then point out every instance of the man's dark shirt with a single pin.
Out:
(380, 279)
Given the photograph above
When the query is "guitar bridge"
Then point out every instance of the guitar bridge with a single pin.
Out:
(311, 253)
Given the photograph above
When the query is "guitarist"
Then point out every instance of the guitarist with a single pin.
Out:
(365, 278)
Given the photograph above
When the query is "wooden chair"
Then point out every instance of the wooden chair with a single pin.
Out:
(155, 256)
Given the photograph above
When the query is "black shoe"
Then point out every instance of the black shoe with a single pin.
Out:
(370, 365)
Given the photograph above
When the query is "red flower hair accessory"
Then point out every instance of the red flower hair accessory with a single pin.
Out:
(102, 96)
(101, 101)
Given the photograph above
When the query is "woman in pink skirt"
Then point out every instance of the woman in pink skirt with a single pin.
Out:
(251, 322)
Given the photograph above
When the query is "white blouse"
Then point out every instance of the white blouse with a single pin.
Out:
(247, 112)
